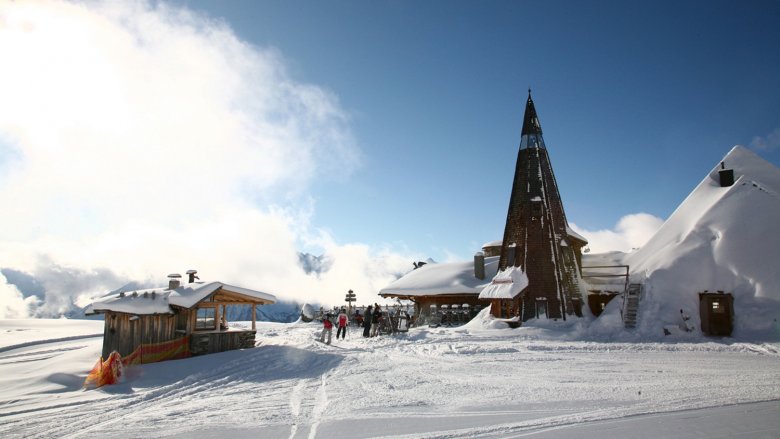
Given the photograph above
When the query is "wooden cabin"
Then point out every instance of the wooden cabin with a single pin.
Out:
(504, 292)
(449, 290)
(177, 321)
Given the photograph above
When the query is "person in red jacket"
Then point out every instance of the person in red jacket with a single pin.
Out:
(327, 328)
(342, 321)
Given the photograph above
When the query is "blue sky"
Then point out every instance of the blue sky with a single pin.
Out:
(637, 100)
(138, 138)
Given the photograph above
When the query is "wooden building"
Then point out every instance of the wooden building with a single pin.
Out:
(179, 319)
(537, 238)
(436, 287)
(503, 292)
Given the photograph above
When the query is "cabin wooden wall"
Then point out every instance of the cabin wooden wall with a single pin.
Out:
(123, 335)
(211, 342)
(505, 309)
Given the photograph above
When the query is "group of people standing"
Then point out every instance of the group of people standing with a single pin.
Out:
(327, 329)
(371, 321)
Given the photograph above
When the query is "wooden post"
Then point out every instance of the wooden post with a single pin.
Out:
(216, 318)
(253, 317)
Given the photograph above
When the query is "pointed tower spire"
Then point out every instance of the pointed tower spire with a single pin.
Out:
(532, 129)
(536, 235)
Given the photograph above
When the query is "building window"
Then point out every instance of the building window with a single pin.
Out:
(536, 208)
(716, 307)
(206, 319)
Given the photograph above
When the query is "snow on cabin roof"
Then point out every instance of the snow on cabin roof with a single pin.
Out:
(492, 244)
(575, 235)
(158, 300)
(440, 279)
(152, 301)
(506, 284)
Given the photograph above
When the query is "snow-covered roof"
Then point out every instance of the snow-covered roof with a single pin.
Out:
(718, 239)
(722, 238)
(158, 300)
(442, 279)
(506, 284)
(575, 235)
(492, 244)
(152, 301)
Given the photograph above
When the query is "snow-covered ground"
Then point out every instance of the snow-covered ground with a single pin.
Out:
(472, 381)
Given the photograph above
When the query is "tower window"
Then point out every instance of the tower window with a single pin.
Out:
(536, 208)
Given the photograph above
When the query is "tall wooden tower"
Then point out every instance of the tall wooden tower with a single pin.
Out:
(536, 235)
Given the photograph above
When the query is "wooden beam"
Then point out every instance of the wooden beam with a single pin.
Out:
(229, 296)
(213, 304)
(253, 317)
(216, 318)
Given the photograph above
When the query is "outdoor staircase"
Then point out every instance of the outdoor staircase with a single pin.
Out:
(631, 305)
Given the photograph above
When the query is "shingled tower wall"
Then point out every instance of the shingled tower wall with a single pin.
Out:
(535, 236)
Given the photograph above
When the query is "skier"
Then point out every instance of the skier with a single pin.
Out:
(327, 328)
(367, 322)
(375, 316)
(342, 319)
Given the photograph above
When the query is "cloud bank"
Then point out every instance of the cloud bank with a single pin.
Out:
(631, 232)
(139, 138)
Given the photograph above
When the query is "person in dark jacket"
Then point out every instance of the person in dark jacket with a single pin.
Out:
(367, 321)
(375, 317)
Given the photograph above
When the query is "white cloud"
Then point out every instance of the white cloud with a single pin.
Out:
(12, 304)
(632, 231)
(769, 143)
(142, 138)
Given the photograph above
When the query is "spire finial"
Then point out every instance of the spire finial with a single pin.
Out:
(530, 120)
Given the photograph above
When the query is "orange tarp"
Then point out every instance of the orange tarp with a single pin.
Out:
(105, 372)
(154, 352)
(109, 371)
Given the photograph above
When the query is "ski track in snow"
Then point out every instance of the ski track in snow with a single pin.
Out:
(429, 383)
(47, 341)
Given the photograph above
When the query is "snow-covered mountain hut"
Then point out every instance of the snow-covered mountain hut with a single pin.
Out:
(177, 320)
(445, 289)
(539, 249)
(716, 254)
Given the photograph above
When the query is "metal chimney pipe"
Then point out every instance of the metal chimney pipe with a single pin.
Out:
(479, 265)
(174, 281)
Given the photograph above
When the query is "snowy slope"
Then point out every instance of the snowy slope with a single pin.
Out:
(430, 383)
(718, 239)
